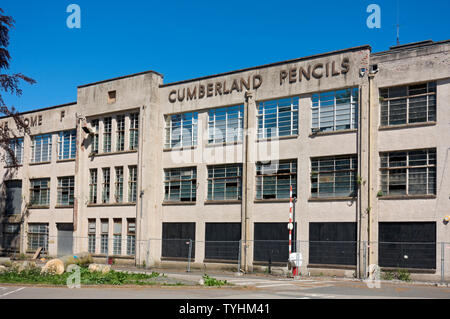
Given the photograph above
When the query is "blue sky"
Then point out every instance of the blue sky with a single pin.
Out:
(187, 39)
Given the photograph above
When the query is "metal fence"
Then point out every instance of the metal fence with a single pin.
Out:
(415, 257)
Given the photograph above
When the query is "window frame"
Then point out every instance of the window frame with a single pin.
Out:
(262, 178)
(170, 128)
(70, 188)
(67, 150)
(213, 127)
(170, 183)
(213, 180)
(45, 202)
(263, 117)
(44, 140)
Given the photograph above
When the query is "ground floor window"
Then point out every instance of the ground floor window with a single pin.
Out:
(407, 245)
(117, 244)
(38, 237)
(91, 236)
(176, 238)
(11, 237)
(131, 237)
(332, 243)
(104, 236)
(222, 241)
(271, 242)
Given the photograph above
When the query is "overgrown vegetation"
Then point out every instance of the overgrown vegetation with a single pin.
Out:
(401, 274)
(210, 281)
(34, 276)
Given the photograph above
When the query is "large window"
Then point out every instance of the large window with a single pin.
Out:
(38, 237)
(278, 118)
(225, 124)
(132, 183)
(335, 110)
(180, 184)
(107, 130)
(224, 182)
(13, 202)
(91, 235)
(41, 148)
(408, 172)
(333, 176)
(408, 104)
(106, 184)
(119, 185)
(93, 178)
(104, 236)
(66, 189)
(175, 240)
(40, 192)
(271, 242)
(11, 237)
(120, 136)
(95, 126)
(134, 131)
(222, 241)
(131, 236)
(16, 146)
(117, 243)
(67, 145)
(181, 130)
(273, 180)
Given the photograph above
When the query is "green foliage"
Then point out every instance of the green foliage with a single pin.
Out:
(210, 281)
(380, 193)
(401, 274)
(34, 276)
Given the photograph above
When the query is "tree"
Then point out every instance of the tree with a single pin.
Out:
(10, 84)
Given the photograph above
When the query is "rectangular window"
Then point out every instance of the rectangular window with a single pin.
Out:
(180, 184)
(117, 233)
(38, 237)
(13, 203)
(335, 110)
(408, 104)
(132, 184)
(222, 241)
(11, 237)
(67, 145)
(104, 236)
(91, 235)
(66, 190)
(95, 127)
(40, 192)
(225, 124)
(278, 118)
(224, 182)
(175, 240)
(120, 136)
(131, 237)
(107, 130)
(93, 186)
(16, 146)
(106, 185)
(181, 130)
(334, 176)
(273, 180)
(119, 185)
(134, 131)
(41, 148)
(408, 172)
(271, 242)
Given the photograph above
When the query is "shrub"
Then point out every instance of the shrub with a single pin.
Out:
(209, 281)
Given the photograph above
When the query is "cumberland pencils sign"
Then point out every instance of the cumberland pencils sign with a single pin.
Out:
(253, 82)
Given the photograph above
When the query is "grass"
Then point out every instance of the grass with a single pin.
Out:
(210, 281)
(401, 274)
(34, 276)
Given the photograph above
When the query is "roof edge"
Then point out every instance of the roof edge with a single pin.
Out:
(43, 109)
(119, 78)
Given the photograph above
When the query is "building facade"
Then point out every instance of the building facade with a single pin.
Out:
(142, 171)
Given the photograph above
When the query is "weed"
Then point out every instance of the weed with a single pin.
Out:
(209, 281)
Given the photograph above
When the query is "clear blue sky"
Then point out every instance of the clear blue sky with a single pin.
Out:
(190, 38)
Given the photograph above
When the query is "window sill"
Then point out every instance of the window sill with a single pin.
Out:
(353, 130)
(171, 203)
(330, 199)
(39, 207)
(276, 138)
(410, 270)
(112, 153)
(403, 126)
(65, 160)
(64, 206)
(223, 144)
(331, 266)
(176, 259)
(113, 256)
(111, 204)
(394, 197)
(272, 200)
(183, 148)
(39, 163)
(220, 202)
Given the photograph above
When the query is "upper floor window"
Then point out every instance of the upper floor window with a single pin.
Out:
(134, 131)
(225, 124)
(67, 145)
(107, 129)
(180, 184)
(118, 195)
(120, 137)
(335, 110)
(181, 130)
(95, 127)
(93, 186)
(333, 176)
(224, 182)
(37, 237)
(408, 172)
(106, 184)
(41, 148)
(40, 192)
(132, 183)
(66, 190)
(408, 104)
(16, 146)
(278, 118)
(273, 180)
